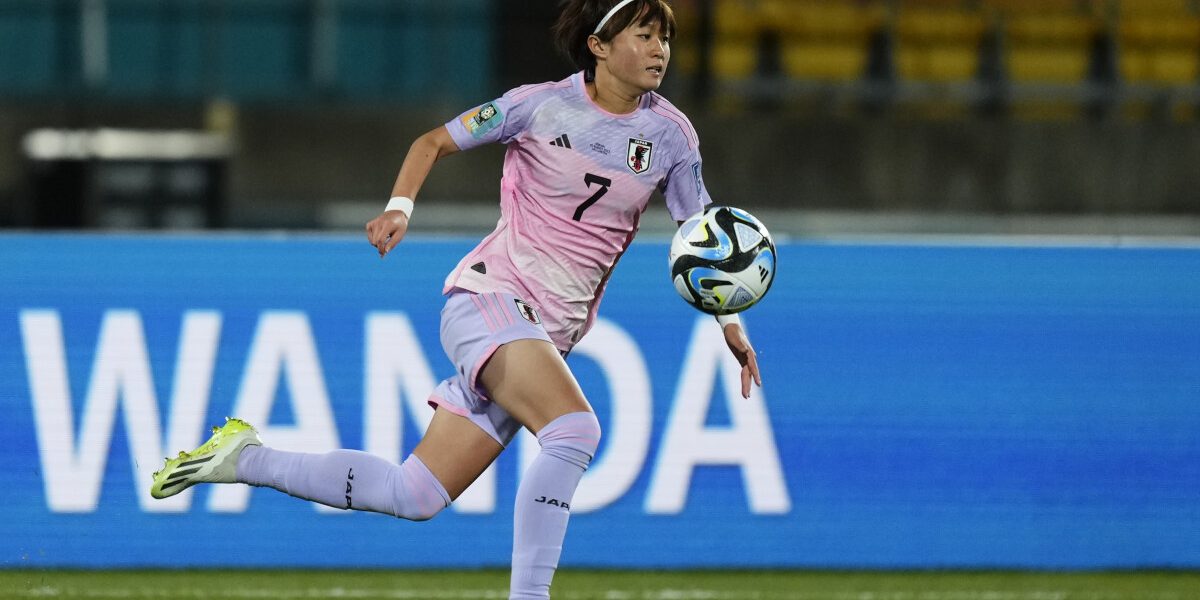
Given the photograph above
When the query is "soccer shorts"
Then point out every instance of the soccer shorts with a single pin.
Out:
(474, 326)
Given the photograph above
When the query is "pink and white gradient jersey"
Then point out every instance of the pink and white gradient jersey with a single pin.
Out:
(576, 182)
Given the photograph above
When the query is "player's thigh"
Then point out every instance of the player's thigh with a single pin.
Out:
(530, 380)
(456, 451)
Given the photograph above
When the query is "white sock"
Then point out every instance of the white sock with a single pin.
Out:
(347, 479)
(544, 501)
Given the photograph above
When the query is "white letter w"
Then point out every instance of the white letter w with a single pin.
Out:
(73, 469)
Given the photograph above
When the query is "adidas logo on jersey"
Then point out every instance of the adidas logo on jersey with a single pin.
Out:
(562, 142)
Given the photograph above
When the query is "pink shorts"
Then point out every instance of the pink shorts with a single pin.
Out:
(474, 326)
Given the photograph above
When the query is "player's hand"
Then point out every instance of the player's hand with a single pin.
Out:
(386, 230)
(739, 344)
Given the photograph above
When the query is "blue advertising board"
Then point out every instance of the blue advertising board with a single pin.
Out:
(923, 406)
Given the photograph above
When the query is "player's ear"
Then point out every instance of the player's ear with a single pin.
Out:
(599, 49)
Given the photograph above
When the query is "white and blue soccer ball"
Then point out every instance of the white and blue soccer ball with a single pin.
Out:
(722, 260)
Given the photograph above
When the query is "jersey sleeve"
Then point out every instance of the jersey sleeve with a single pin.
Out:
(500, 120)
(684, 187)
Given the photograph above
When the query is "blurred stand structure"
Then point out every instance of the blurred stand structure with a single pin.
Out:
(875, 116)
(123, 179)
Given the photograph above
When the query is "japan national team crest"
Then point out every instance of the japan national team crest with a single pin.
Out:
(527, 312)
(640, 152)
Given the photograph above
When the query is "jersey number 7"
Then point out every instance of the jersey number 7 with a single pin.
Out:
(591, 179)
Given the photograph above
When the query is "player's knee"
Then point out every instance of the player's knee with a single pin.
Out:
(419, 495)
(422, 512)
(573, 437)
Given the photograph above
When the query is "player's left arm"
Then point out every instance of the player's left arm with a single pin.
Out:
(739, 344)
(687, 195)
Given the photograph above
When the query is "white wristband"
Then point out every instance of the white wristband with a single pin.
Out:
(402, 204)
(728, 319)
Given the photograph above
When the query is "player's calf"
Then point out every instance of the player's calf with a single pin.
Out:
(348, 479)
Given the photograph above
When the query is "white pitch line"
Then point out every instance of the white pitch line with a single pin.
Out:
(499, 594)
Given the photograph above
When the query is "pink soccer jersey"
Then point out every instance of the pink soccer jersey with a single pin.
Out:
(576, 182)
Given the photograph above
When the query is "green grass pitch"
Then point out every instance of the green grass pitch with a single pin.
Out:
(603, 585)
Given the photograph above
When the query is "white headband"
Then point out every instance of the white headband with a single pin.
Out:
(604, 21)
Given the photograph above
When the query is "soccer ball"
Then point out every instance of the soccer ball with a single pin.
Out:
(722, 260)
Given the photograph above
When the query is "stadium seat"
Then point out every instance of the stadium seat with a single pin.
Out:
(826, 40)
(937, 41)
(734, 59)
(1158, 42)
(736, 33)
(737, 17)
(1154, 7)
(684, 46)
(1055, 49)
(1045, 41)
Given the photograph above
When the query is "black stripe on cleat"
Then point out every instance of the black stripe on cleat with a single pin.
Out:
(198, 461)
(178, 474)
(172, 484)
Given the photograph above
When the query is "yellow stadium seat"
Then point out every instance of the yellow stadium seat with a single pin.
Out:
(684, 52)
(825, 62)
(735, 39)
(937, 43)
(1047, 65)
(830, 19)
(823, 39)
(733, 18)
(1159, 49)
(1158, 42)
(1050, 47)
(1032, 6)
(735, 59)
(1046, 41)
(1154, 7)
(1174, 67)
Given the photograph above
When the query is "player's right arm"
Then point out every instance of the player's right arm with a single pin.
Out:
(386, 230)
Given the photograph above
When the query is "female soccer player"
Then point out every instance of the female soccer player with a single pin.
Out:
(584, 156)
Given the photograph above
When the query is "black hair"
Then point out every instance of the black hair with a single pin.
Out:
(579, 18)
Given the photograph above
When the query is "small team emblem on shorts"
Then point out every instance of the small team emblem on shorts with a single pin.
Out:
(528, 312)
(639, 155)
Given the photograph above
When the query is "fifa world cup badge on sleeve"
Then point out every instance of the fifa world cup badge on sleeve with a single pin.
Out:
(482, 120)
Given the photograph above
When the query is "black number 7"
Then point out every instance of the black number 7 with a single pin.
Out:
(590, 179)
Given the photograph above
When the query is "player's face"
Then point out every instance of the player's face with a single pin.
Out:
(639, 56)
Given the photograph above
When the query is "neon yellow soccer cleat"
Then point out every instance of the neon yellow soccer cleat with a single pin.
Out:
(214, 462)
